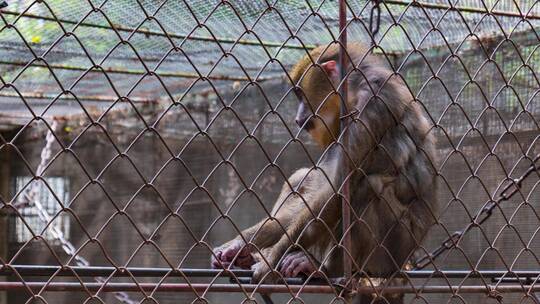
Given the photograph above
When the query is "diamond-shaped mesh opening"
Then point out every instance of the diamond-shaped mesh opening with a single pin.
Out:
(138, 137)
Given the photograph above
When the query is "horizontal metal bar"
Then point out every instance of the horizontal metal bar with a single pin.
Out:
(166, 287)
(96, 98)
(459, 274)
(461, 9)
(120, 28)
(135, 72)
(289, 281)
(118, 70)
(97, 271)
(94, 271)
(454, 289)
(203, 287)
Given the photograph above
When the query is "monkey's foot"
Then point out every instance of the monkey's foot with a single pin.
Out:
(234, 252)
(297, 262)
(263, 274)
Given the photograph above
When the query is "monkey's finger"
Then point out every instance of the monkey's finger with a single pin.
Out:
(304, 267)
(220, 264)
(229, 254)
(287, 260)
(215, 263)
(290, 271)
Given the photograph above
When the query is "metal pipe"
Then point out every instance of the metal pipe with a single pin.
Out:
(461, 9)
(120, 28)
(460, 274)
(423, 274)
(291, 281)
(455, 289)
(203, 287)
(95, 271)
(92, 271)
(135, 72)
(345, 206)
(96, 98)
(165, 287)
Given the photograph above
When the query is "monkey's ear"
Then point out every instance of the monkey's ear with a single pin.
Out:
(330, 67)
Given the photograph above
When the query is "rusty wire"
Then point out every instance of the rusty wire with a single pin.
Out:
(163, 75)
(508, 191)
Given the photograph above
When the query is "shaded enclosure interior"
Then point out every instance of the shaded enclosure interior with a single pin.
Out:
(169, 113)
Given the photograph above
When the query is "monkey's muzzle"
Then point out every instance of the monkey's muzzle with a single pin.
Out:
(303, 117)
(305, 123)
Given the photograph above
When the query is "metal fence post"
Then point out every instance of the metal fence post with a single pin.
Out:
(346, 212)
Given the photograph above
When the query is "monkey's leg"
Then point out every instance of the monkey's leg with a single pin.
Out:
(322, 208)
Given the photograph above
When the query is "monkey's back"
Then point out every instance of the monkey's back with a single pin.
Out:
(393, 189)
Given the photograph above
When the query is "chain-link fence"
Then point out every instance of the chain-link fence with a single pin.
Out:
(137, 137)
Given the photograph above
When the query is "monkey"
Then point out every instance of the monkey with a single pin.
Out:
(385, 151)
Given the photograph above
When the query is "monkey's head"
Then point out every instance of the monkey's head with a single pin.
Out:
(316, 78)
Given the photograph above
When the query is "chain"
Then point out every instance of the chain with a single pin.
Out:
(374, 28)
(29, 199)
(507, 192)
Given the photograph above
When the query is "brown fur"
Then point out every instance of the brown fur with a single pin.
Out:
(390, 148)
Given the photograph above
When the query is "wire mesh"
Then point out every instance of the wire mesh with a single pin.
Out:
(137, 136)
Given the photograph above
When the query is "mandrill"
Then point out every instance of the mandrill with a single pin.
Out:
(385, 151)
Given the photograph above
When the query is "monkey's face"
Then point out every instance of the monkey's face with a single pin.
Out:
(318, 109)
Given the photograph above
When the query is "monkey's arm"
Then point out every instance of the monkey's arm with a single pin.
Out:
(239, 251)
(268, 231)
(311, 223)
(290, 200)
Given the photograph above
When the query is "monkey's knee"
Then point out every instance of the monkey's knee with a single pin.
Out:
(298, 176)
(287, 203)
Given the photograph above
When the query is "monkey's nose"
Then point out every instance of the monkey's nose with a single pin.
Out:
(301, 121)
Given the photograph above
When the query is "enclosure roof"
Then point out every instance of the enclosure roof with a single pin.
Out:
(101, 50)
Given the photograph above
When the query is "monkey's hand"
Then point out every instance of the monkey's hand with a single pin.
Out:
(298, 262)
(235, 252)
